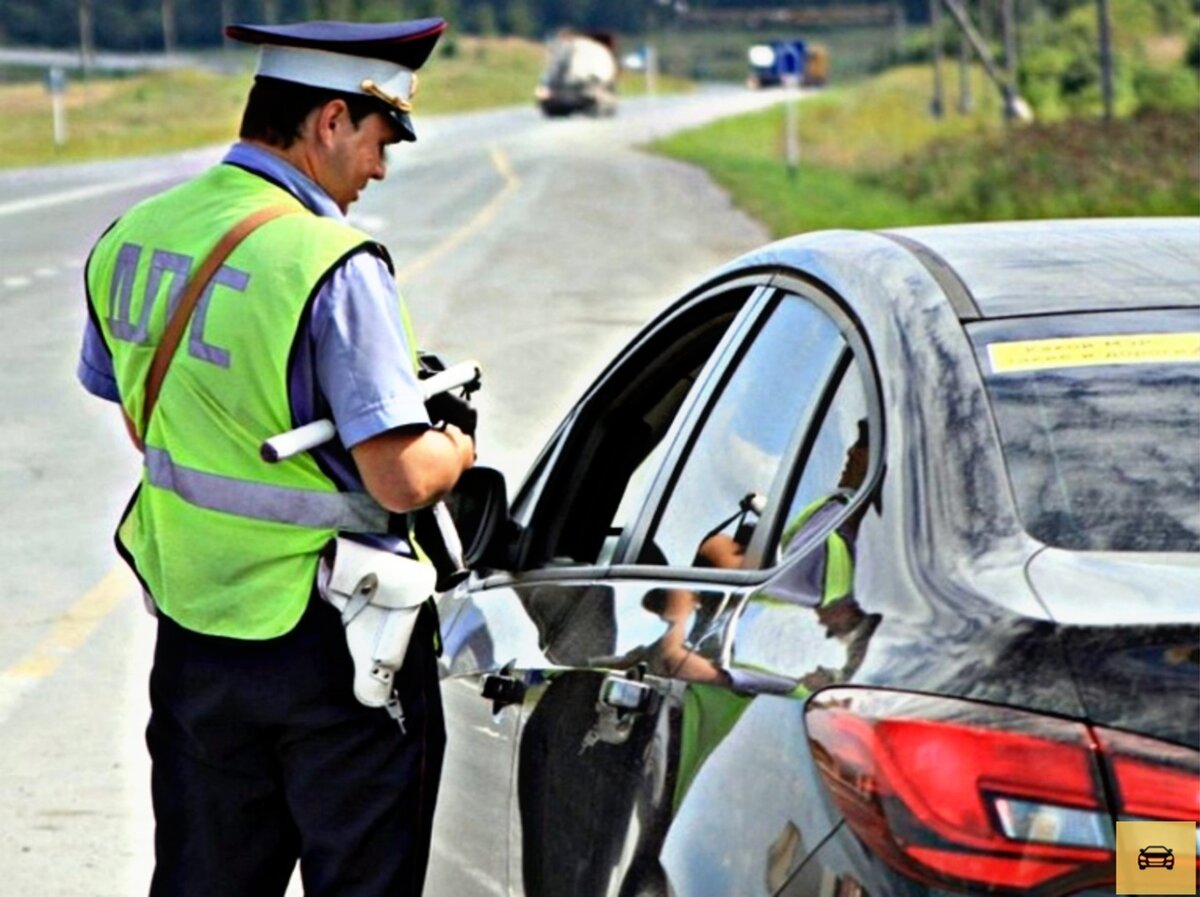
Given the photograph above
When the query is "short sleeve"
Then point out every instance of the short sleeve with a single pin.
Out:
(95, 367)
(363, 358)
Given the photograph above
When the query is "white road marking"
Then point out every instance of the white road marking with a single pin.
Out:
(45, 272)
(13, 283)
(34, 203)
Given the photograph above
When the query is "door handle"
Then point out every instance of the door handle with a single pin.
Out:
(623, 700)
(502, 690)
(628, 695)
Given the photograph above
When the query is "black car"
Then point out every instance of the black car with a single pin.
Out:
(871, 566)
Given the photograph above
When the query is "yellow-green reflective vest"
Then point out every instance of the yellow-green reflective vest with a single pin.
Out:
(225, 543)
(838, 579)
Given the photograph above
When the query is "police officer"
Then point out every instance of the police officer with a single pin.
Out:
(261, 754)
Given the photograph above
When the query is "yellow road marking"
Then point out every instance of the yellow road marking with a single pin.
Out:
(482, 217)
(73, 628)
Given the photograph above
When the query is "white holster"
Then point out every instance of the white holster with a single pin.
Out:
(379, 595)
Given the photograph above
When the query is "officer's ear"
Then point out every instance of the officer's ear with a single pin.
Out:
(329, 120)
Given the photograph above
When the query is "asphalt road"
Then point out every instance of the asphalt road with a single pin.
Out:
(535, 246)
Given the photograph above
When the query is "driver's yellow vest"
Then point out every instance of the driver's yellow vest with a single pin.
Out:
(225, 543)
(838, 579)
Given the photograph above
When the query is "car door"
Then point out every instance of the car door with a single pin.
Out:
(542, 626)
(626, 695)
(745, 816)
(746, 509)
(611, 746)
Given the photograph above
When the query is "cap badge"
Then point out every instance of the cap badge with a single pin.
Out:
(372, 89)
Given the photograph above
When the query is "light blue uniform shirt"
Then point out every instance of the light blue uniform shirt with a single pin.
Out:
(354, 363)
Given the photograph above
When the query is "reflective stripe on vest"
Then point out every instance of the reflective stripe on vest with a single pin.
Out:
(353, 512)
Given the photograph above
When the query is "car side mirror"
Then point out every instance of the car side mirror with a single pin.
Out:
(479, 505)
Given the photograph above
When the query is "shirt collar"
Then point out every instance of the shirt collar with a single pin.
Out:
(280, 171)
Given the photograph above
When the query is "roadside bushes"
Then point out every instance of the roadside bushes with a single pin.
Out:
(1152, 71)
(1191, 56)
(873, 157)
(1060, 82)
(1143, 165)
(1161, 90)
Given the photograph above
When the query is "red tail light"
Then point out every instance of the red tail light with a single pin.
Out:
(977, 797)
(1153, 780)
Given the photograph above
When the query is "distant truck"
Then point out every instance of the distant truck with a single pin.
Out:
(788, 61)
(580, 75)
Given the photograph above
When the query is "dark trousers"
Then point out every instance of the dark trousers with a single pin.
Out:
(261, 756)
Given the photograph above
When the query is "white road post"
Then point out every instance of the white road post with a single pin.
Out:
(650, 61)
(56, 84)
(791, 84)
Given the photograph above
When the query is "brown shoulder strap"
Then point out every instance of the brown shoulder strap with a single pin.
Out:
(191, 295)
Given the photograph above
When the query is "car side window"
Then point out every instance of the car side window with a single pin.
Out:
(612, 450)
(724, 482)
(833, 465)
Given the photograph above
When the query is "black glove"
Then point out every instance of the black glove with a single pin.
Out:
(448, 408)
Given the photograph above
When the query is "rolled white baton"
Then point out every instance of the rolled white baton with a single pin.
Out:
(293, 442)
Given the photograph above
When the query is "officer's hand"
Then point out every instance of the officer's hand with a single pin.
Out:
(447, 408)
(463, 444)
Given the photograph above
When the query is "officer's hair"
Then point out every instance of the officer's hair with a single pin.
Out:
(276, 109)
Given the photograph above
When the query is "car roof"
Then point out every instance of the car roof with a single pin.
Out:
(1048, 267)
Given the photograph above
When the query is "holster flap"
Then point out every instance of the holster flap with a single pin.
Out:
(399, 581)
(379, 595)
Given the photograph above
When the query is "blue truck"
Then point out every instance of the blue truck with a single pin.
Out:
(788, 62)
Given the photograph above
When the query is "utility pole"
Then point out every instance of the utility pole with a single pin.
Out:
(937, 104)
(168, 26)
(899, 29)
(987, 20)
(1014, 106)
(1010, 57)
(966, 102)
(87, 36)
(1106, 61)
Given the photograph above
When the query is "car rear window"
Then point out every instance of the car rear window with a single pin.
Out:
(1099, 416)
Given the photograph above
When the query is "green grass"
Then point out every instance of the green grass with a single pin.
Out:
(502, 72)
(872, 156)
(745, 156)
(1147, 165)
(870, 153)
(720, 53)
(481, 74)
(111, 117)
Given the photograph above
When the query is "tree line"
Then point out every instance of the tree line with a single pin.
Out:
(130, 25)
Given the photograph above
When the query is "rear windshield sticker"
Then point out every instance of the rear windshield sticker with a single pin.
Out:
(1082, 351)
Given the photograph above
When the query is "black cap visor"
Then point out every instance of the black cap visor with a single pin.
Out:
(403, 124)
